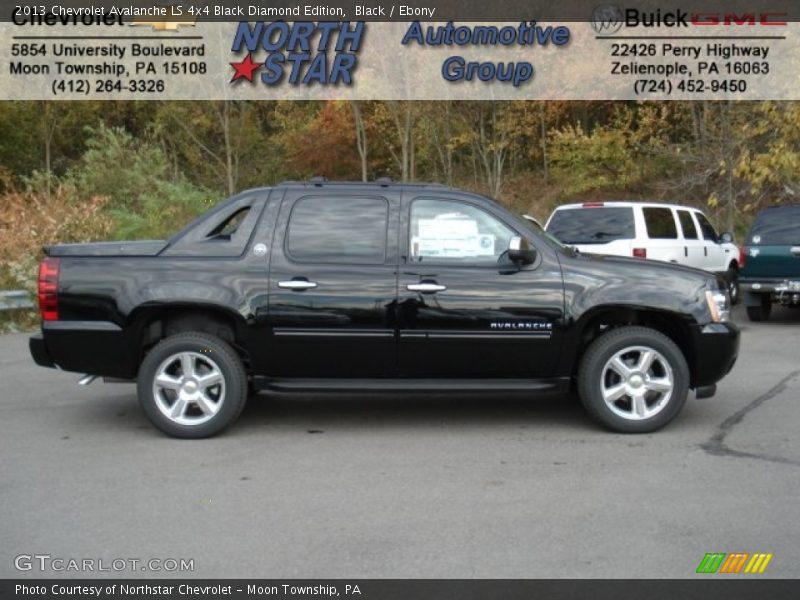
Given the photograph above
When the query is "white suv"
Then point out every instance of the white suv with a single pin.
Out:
(666, 232)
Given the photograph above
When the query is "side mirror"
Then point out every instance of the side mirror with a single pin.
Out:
(726, 238)
(520, 251)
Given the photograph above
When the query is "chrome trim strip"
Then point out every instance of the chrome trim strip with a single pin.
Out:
(368, 333)
(478, 335)
(80, 326)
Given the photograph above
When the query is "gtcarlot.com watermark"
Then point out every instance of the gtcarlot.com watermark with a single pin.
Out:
(57, 564)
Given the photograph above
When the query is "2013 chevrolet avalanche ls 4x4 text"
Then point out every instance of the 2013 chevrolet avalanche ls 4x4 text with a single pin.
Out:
(378, 286)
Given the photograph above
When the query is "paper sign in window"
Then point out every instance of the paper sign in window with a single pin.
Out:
(451, 238)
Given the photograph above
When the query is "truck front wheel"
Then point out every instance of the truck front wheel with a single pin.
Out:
(633, 380)
(192, 385)
(732, 279)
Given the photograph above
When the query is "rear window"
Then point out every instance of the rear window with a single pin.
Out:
(660, 224)
(779, 226)
(593, 225)
(228, 228)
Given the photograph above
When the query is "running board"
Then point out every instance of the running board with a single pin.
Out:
(411, 385)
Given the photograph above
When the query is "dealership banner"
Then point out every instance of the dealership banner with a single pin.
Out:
(399, 589)
(174, 50)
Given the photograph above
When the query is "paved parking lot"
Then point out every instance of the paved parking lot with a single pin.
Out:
(342, 486)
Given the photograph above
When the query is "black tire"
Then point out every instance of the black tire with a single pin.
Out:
(760, 312)
(210, 356)
(593, 372)
(732, 279)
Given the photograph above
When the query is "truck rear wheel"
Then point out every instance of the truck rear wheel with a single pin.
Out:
(761, 310)
(192, 385)
(633, 380)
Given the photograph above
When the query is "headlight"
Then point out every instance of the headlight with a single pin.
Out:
(718, 306)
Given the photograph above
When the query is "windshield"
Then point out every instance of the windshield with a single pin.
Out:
(592, 225)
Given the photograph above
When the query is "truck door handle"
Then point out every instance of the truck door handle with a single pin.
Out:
(426, 287)
(795, 250)
(297, 284)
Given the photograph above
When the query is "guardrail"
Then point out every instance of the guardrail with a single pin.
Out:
(15, 300)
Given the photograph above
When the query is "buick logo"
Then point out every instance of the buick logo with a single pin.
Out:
(607, 19)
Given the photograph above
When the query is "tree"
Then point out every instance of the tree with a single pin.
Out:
(361, 136)
(403, 117)
(322, 143)
(720, 140)
(144, 198)
(217, 140)
(490, 132)
(439, 122)
(770, 164)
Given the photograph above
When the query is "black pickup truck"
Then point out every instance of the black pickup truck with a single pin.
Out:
(312, 286)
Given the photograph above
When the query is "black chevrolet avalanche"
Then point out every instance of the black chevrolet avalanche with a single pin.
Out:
(312, 286)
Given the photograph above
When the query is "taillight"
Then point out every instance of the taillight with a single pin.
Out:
(742, 256)
(640, 252)
(48, 289)
(593, 204)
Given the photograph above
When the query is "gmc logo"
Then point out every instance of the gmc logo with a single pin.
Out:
(752, 19)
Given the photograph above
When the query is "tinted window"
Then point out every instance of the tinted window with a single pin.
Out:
(779, 225)
(229, 226)
(592, 225)
(687, 225)
(328, 229)
(453, 232)
(660, 223)
(707, 228)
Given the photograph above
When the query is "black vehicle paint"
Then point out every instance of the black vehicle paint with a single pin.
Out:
(505, 322)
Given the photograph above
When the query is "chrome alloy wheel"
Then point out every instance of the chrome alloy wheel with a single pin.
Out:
(637, 383)
(189, 388)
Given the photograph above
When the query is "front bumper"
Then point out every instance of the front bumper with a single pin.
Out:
(39, 351)
(716, 350)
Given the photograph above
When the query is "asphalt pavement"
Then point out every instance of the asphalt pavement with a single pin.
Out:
(403, 486)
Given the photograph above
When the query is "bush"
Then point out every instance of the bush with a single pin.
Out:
(146, 200)
(29, 221)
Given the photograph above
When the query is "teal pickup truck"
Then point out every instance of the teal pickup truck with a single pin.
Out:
(770, 261)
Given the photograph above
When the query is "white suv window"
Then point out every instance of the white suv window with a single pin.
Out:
(707, 228)
(660, 223)
(593, 225)
(687, 225)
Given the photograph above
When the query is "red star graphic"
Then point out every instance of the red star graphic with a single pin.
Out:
(245, 69)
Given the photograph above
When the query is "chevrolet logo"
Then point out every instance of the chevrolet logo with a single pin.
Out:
(173, 25)
(164, 25)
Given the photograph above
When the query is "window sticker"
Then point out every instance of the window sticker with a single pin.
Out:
(451, 236)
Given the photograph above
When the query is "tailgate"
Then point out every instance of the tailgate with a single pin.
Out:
(138, 248)
(773, 244)
(772, 262)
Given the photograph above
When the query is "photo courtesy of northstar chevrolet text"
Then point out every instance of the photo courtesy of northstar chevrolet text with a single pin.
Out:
(409, 300)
